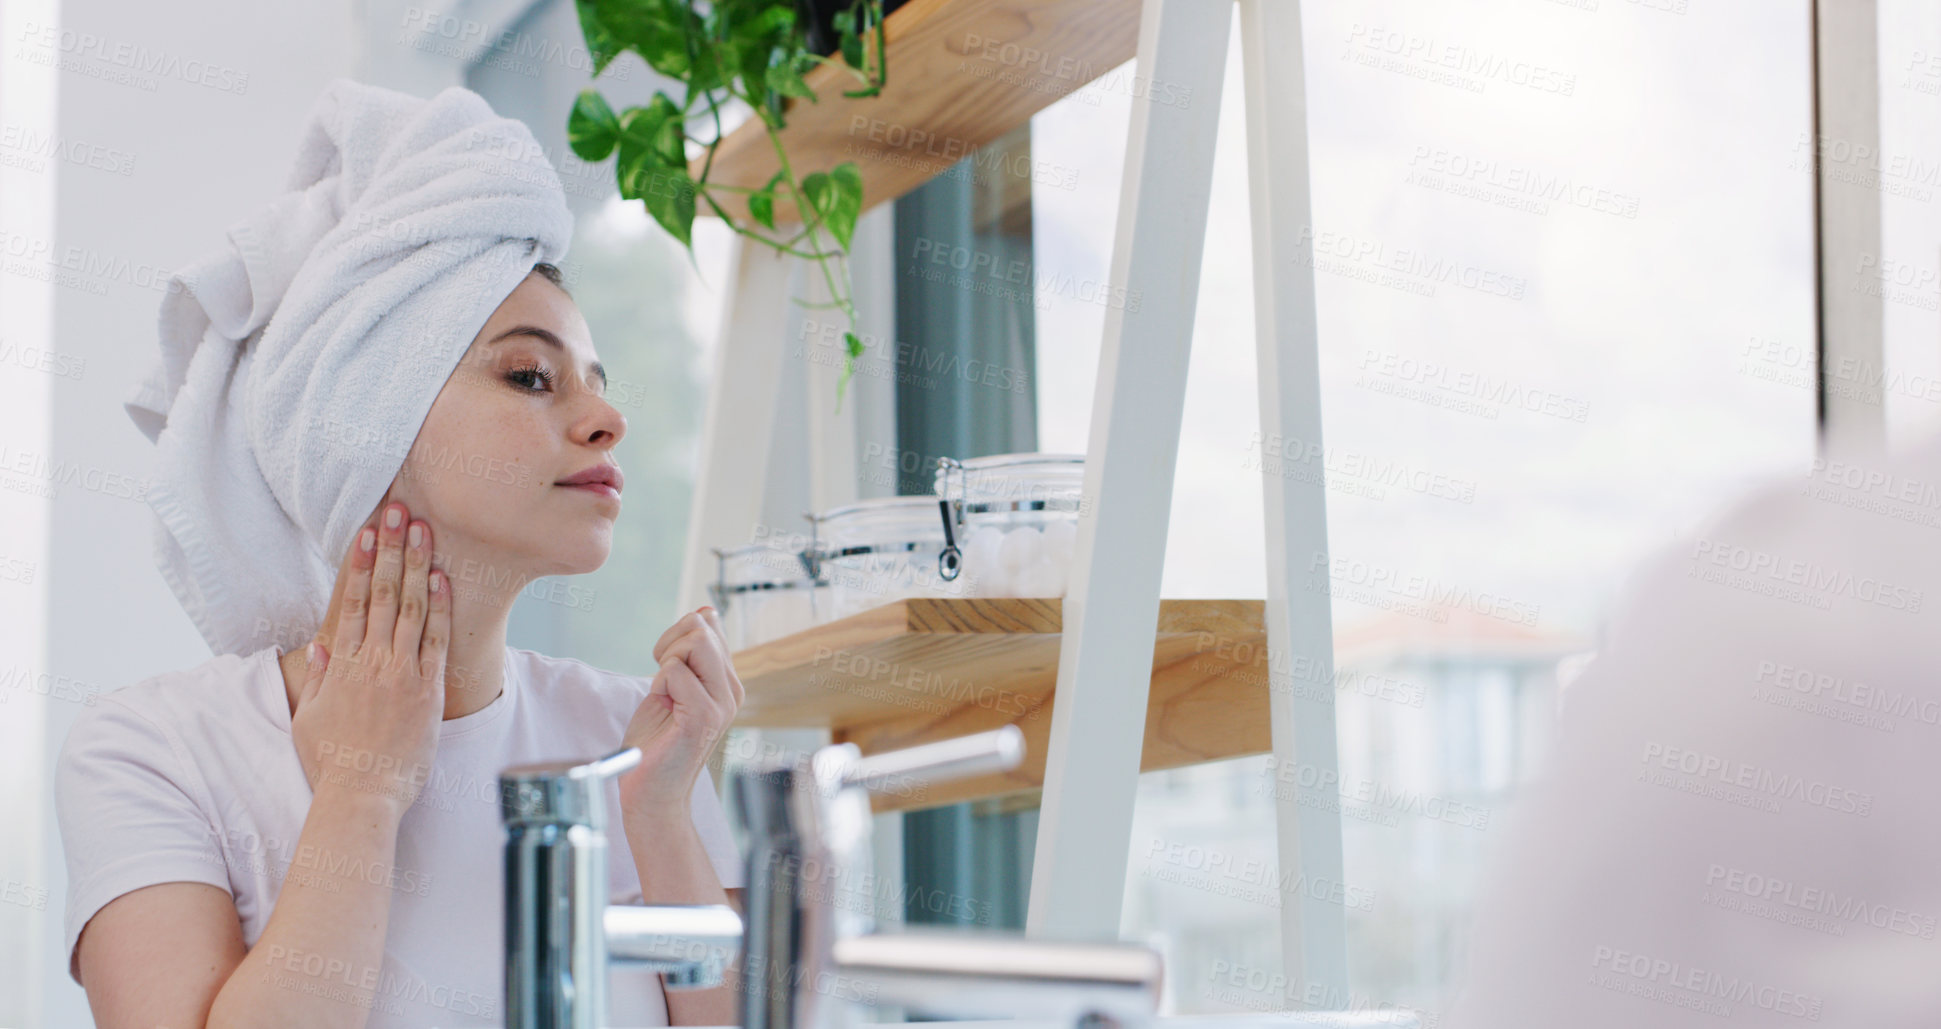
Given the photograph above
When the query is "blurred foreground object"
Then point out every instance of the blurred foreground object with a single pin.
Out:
(1739, 827)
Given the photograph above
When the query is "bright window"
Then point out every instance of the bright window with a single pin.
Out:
(1555, 312)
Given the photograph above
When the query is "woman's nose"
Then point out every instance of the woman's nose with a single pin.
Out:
(602, 424)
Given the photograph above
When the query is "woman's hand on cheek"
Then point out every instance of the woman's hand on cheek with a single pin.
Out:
(366, 723)
(687, 710)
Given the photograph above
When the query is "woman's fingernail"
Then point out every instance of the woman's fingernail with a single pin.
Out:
(417, 535)
(310, 652)
(369, 540)
(392, 518)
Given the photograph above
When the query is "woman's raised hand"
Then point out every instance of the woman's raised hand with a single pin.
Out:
(366, 721)
(687, 709)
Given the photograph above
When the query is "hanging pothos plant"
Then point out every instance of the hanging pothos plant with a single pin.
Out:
(754, 51)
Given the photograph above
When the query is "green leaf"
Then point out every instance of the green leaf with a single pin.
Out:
(852, 49)
(783, 79)
(654, 29)
(670, 136)
(601, 42)
(714, 57)
(846, 203)
(852, 349)
(754, 69)
(592, 129)
(772, 26)
(650, 136)
(816, 188)
(882, 60)
(837, 198)
(761, 207)
(670, 199)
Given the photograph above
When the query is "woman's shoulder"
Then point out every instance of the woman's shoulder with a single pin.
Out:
(222, 690)
(558, 683)
(168, 725)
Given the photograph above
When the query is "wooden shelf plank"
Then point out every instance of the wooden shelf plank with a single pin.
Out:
(961, 74)
(920, 670)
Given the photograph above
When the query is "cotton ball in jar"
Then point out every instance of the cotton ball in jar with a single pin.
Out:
(1061, 539)
(1023, 546)
(1040, 579)
(981, 550)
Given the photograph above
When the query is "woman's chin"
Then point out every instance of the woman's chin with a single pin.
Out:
(588, 555)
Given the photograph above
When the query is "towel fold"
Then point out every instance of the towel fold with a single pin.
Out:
(299, 361)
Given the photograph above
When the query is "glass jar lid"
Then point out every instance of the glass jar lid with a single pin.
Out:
(880, 522)
(1013, 482)
(758, 567)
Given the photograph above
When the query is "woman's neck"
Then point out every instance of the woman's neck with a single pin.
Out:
(474, 660)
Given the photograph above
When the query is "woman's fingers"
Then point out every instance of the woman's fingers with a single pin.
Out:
(713, 618)
(687, 689)
(412, 594)
(686, 624)
(713, 621)
(433, 645)
(703, 654)
(387, 577)
(319, 659)
(680, 628)
(354, 608)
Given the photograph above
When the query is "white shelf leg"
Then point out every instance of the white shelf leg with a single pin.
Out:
(735, 435)
(1299, 622)
(1111, 610)
(1846, 115)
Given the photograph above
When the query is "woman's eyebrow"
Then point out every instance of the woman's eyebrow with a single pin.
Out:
(548, 338)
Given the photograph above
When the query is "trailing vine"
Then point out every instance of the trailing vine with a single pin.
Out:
(755, 52)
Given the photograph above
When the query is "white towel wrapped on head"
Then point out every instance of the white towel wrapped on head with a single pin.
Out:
(299, 361)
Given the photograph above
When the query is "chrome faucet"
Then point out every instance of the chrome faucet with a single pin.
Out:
(808, 821)
(559, 930)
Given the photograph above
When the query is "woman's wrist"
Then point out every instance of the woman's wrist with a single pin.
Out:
(654, 798)
(654, 810)
(340, 796)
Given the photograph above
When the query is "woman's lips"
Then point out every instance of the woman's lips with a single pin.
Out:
(592, 487)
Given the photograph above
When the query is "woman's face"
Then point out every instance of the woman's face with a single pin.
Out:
(517, 415)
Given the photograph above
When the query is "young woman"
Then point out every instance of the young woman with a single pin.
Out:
(312, 837)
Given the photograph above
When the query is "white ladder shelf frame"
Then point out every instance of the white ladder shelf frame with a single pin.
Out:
(1111, 607)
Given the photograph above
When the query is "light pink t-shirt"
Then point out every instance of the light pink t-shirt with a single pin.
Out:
(190, 776)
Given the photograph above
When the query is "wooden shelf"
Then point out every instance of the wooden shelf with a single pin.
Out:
(917, 671)
(961, 74)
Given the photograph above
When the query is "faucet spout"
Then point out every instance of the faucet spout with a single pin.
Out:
(990, 975)
(808, 819)
(691, 945)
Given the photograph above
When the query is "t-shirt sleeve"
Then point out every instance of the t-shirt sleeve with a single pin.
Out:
(711, 821)
(132, 813)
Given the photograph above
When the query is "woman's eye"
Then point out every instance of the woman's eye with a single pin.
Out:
(524, 377)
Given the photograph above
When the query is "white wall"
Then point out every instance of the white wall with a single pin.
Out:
(131, 136)
(27, 112)
(144, 82)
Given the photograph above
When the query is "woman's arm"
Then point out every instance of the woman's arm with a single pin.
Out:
(674, 869)
(156, 956)
(687, 710)
(318, 962)
(172, 954)
(366, 729)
